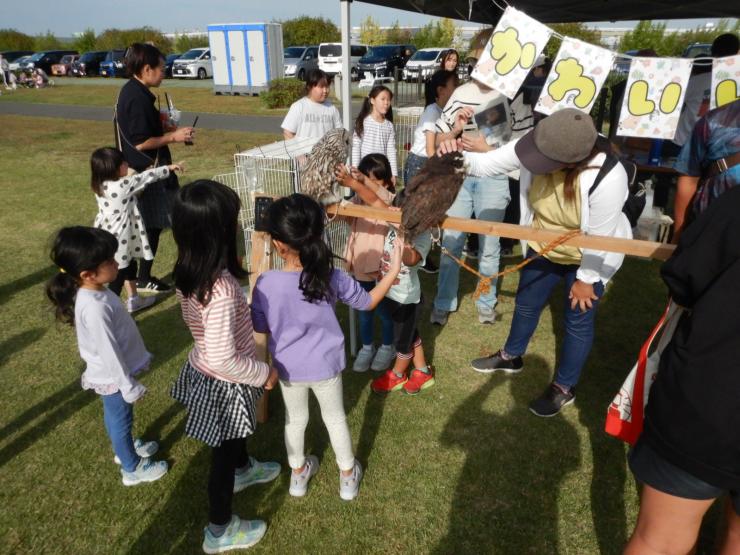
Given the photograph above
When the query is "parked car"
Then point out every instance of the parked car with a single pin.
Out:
(698, 50)
(113, 65)
(194, 64)
(622, 65)
(382, 61)
(65, 65)
(423, 64)
(15, 65)
(44, 60)
(299, 60)
(168, 61)
(12, 56)
(330, 58)
(88, 64)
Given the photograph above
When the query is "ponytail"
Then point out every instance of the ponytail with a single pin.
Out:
(61, 290)
(318, 265)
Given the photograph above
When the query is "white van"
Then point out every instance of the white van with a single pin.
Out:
(330, 57)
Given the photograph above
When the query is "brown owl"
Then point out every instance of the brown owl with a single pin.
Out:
(429, 195)
(317, 173)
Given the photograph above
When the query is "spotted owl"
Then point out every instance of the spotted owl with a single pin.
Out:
(317, 173)
(429, 195)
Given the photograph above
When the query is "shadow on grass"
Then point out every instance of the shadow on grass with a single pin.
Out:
(7, 290)
(506, 498)
(18, 342)
(165, 334)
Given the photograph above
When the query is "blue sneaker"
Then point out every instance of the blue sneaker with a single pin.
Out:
(147, 471)
(258, 473)
(240, 534)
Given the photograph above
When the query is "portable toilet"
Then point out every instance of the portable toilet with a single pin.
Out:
(245, 56)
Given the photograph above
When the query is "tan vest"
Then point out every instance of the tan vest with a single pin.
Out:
(553, 212)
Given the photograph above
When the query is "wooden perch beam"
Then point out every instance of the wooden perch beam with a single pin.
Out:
(633, 247)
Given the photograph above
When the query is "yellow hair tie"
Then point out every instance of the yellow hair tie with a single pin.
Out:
(62, 270)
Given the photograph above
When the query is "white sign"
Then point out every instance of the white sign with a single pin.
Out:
(725, 80)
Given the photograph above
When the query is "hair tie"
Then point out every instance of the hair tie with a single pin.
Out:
(62, 270)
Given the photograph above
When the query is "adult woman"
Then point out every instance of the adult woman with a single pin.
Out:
(450, 60)
(143, 139)
(559, 161)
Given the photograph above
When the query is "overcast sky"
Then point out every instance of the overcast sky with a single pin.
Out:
(65, 17)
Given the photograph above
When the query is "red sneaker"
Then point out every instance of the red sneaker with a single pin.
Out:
(419, 380)
(388, 382)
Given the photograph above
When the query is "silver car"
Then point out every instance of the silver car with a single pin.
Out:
(299, 60)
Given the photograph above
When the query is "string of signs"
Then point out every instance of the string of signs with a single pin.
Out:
(655, 86)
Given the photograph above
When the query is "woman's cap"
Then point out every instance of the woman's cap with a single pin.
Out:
(566, 137)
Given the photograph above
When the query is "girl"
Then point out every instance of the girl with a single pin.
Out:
(295, 306)
(221, 381)
(374, 128)
(364, 249)
(108, 340)
(313, 115)
(450, 61)
(118, 213)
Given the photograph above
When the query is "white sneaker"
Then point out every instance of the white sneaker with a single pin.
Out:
(147, 471)
(349, 486)
(299, 482)
(143, 449)
(364, 358)
(134, 304)
(384, 358)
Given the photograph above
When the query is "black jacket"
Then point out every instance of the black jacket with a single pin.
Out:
(693, 413)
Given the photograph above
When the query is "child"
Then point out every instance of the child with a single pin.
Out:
(374, 128)
(108, 340)
(313, 115)
(118, 213)
(364, 248)
(296, 307)
(221, 381)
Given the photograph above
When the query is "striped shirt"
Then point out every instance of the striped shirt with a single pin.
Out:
(222, 331)
(376, 137)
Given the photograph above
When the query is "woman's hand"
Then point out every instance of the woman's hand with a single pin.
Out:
(475, 142)
(182, 134)
(461, 118)
(272, 378)
(449, 145)
(581, 295)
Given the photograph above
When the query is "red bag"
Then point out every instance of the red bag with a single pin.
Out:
(626, 413)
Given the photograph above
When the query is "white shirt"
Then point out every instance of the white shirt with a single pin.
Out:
(110, 344)
(307, 118)
(376, 137)
(697, 94)
(426, 123)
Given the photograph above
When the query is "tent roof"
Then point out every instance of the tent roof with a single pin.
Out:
(563, 11)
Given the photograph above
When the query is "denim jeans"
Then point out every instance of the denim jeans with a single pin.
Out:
(536, 283)
(414, 163)
(487, 198)
(367, 320)
(118, 416)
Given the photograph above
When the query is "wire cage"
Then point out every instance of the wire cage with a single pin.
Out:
(405, 121)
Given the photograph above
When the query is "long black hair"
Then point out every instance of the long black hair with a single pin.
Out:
(105, 165)
(204, 224)
(367, 108)
(298, 221)
(378, 165)
(76, 250)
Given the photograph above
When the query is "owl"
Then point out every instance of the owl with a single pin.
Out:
(429, 195)
(317, 173)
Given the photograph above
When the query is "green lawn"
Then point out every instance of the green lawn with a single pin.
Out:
(462, 468)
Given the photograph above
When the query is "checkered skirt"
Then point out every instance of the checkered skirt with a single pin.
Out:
(217, 410)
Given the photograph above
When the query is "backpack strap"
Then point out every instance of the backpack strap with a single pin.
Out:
(609, 163)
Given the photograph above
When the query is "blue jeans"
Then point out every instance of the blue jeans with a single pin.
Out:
(367, 320)
(119, 420)
(536, 283)
(414, 163)
(487, 198)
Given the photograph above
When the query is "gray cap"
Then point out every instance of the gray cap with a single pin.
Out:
(566, 137)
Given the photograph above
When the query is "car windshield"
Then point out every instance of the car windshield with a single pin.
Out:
(699, 50)
(67, 59)
(330, 50)
(425, 55)
(293, 52)
(36, 57)
(381, 51)
(191, 54)
(172, 57)
(89, 57)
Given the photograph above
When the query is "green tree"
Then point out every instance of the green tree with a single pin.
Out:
(441, 33)
(121, 38)
(305, 30)
(370, 32)
(647, 34)
(85, 42)
(47, 41)
(396, 35)
(183, 43)
(10, 39)
(575, 30)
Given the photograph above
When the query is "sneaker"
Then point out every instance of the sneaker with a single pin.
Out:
(486, 315)
(438, 317)
(134, 304)
(299, 482)
(384, 358)
(364, 358)
(258, 473)
(495, 363)
(552, 400)
(419, 380)
(349, 486)
(153, 285)
(240, 534)
(429, 267)
(388, 382)
(143, 449)
(147, 471)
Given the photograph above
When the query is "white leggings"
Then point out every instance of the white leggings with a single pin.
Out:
(329, 395)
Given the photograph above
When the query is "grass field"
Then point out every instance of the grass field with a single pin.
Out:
(463, 468)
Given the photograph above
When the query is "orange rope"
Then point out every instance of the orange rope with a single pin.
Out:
(484, 283)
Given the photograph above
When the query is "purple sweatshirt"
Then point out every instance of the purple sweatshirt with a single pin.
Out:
(306, 342)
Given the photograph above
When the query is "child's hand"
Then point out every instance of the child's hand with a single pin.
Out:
(396, 256)
(450, 145)
(178, 167)
(272, 378)
(358, 175)
(342, 174)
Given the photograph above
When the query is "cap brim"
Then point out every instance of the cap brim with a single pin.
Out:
(532, 159)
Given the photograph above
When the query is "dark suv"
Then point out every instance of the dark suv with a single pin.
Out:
(382, 60)
(88, 64)
(45, 60)
(12, 55)
(113, 65)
